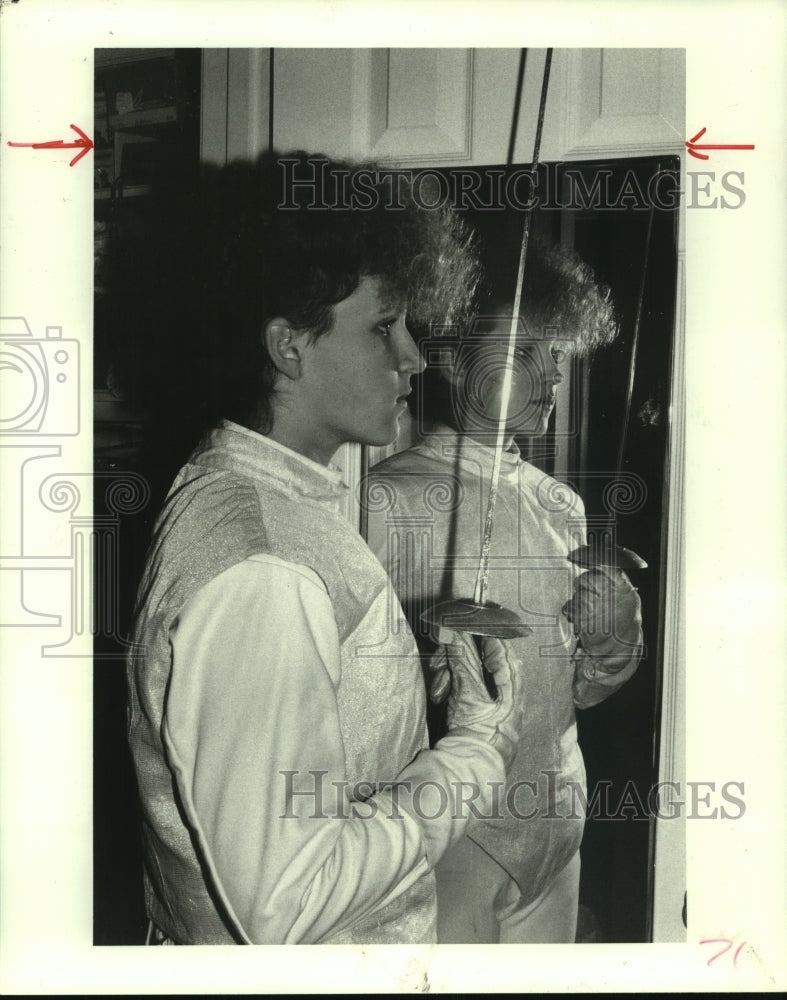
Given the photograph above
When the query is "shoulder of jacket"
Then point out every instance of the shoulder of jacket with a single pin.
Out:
(553, 494)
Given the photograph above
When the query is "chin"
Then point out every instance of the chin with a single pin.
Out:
(378, 439)
(529, 422)
(532, 430)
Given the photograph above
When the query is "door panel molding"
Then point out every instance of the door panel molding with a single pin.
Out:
(624, 102)
(412, 105)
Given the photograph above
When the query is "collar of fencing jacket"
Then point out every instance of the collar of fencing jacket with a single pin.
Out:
(230, 445)
(469, 454)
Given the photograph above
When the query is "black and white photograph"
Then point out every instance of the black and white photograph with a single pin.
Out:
(368, 508)
(442, 234)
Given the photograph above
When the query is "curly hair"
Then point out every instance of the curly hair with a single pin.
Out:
(189, 293)
(561, 299)
(560, 294)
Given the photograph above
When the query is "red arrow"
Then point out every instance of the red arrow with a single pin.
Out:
(693, 146)
(83, 144)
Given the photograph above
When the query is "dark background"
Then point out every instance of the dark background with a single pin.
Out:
(141, 154)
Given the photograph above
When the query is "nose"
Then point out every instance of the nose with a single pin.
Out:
(410, 360)
(553, 372)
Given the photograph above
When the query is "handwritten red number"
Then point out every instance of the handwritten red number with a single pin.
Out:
(727, 942)
(727, 945)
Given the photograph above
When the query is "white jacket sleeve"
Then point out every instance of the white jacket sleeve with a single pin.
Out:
(251, 710)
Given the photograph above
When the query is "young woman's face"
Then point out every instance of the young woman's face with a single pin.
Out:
(357, 375)
(535, 377)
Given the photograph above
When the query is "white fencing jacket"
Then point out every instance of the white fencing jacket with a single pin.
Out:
(275, 695)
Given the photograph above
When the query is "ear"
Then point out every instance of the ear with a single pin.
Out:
(285, 346)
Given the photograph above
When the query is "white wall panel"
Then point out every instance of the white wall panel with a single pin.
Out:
(248, 101)
(213, 106)
(624, 102)
(234, 104)
(412, 105)
(313, 100)
(446, 106)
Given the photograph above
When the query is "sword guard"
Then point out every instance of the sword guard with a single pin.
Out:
(606, 556)
(466, 615)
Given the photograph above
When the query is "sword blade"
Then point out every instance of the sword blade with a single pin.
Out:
(482, 577)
